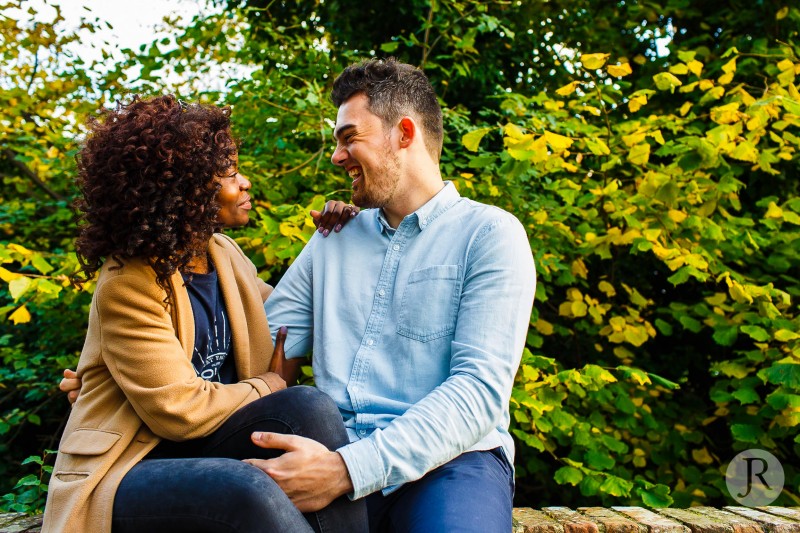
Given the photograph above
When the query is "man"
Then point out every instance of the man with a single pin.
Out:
(439, 291)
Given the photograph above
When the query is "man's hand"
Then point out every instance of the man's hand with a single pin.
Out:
(333, 216)
(310, 474)
(288, 369)
(70, 384)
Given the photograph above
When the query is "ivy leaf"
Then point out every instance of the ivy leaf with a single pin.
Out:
(568, 475)
(656, 497)
(757, 333)
(599, 460)
(746, 432)
(785, 374)
(664, 382)
(726, 335)
(616, 486)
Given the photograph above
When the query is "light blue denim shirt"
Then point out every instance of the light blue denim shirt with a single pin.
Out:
(416, 333)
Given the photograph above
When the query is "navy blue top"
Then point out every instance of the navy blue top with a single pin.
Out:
(212, 332)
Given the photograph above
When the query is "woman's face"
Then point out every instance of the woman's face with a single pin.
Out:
(233, 199)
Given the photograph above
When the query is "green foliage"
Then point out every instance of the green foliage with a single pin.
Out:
(660, 194)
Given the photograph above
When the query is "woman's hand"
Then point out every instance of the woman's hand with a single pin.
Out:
(288, 369)
(333, 216)
(70, 384)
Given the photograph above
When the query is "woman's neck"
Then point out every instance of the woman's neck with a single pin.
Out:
(198, 264)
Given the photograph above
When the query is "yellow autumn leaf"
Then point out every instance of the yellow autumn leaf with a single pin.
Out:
(579, 269)
(558, 143)
(697, 261)
(657, 136)
(472, 139)
(685, 108)
(705, 85)
(695, 67)
(781, 13)
(702, 456)
(665, 81)
(676, 216)
(738, 292)
(679, 69)
(574, 295)
(607, 288)
(635, 103)
(20, 249)
(513, 131)
(544, 327)
(579, 309)
(633, 138)
(7, 275)
(785, 65)
(639, 59)
(639, 154)
(20, 316)
(594, 61)
(773, 212)
(620, 70)
(567, 89)
(651, 234)
(745, 151)
(726, 114)
(730, 66)
(725, 79)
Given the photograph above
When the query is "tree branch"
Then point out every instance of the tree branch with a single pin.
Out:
(31, 175)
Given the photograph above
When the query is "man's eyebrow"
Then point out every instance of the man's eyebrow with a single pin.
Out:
(341, 129)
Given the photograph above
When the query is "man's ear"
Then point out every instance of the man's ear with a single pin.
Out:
(408, 131)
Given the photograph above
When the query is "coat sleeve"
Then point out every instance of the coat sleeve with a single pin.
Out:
(150, 365)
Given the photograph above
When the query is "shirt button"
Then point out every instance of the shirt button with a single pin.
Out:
(370, 342)
(362, 432)
(382, 292)
(396, 247)
(424, 222)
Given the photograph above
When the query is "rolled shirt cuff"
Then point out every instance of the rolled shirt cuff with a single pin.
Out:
(363, 464)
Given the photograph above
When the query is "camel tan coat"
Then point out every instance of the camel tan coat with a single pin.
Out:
(139, 385)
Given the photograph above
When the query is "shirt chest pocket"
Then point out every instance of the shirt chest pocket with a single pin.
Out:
(430, 303)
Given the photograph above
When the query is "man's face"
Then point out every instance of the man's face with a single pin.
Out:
(364, 150)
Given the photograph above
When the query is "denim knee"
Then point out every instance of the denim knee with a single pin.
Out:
(315, 415)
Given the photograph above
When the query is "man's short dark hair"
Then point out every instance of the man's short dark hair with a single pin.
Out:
(394, 90)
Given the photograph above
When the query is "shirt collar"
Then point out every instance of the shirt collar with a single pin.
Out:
(426, 214)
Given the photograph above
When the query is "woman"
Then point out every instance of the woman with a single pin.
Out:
(175, 367)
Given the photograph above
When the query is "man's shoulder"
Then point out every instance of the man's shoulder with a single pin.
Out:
(483, 216)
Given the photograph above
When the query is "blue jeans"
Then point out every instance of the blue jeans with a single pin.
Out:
(471, 493)
(202, 485)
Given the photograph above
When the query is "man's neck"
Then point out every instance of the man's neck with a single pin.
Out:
(405, 204)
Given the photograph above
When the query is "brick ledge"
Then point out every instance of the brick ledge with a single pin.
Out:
(596, 520)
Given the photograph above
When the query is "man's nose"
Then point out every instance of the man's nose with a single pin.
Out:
(339, 156)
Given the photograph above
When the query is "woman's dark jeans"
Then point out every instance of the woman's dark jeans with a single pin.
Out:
(203, 486)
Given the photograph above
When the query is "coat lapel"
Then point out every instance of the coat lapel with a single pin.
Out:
(181, 312)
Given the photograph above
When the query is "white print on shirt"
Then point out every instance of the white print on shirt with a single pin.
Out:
(216, 348)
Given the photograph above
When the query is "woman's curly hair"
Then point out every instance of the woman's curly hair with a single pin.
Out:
(146, 173)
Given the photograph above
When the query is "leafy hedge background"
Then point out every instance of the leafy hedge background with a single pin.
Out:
(650, 148)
